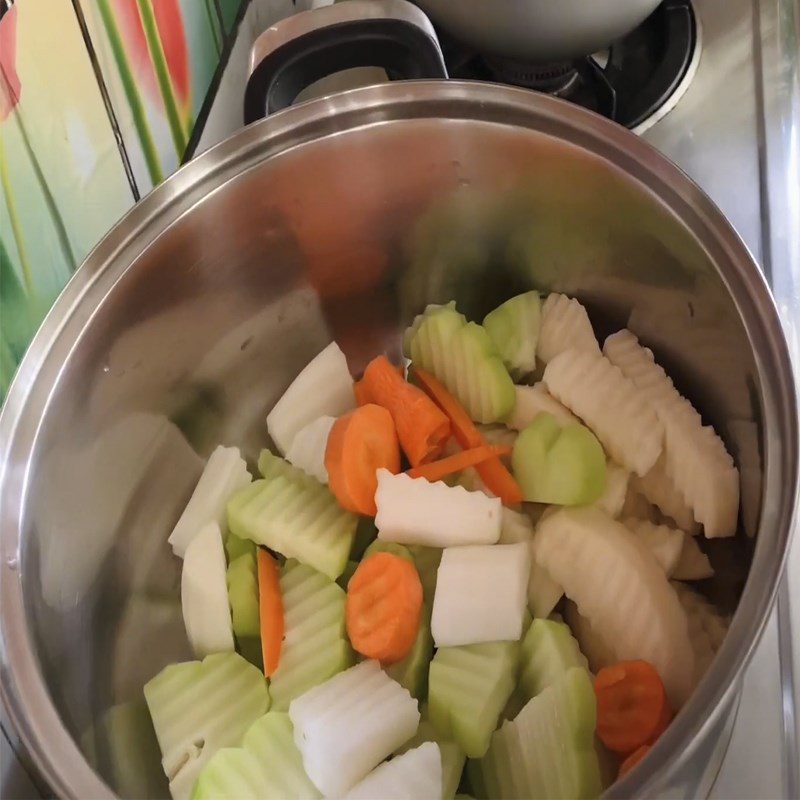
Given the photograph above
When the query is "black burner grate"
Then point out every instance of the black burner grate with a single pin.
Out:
(628, 84)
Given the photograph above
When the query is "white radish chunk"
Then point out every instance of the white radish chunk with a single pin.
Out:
(413, 775)
(416, 511)
(346, 726)
(323, 388)
(613, 498)
(693, 564)
(543, 592)
(515, 528)
(224, 473)
(658, 488)
(535, 400)
(593, 646)
(481, 593)
(620, 588)
(664, 542)
(696, 460)
(307, 450)
(707, 627)
(565, 326)
(619, 415)
(204, 594)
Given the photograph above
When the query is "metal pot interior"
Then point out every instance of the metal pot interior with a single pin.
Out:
(186, 325)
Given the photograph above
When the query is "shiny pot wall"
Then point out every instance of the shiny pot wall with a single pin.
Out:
(340, 219)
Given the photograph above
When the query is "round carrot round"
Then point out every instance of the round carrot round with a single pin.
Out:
(632, 706)
(360, 443)
(632, 760)
(384, 603)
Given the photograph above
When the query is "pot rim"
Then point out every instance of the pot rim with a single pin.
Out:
(22, 687)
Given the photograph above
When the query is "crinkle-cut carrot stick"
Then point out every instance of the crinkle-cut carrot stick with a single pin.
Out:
(494, 473)
(270, 611)
(436, 470)
(421, 426)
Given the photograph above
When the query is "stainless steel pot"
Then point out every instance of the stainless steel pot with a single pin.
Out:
(342, 218)
(538, 30)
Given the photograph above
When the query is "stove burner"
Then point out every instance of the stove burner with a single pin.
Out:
(551, 78)
(640, 75)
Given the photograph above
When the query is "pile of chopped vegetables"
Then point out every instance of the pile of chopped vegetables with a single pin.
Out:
(466, 574)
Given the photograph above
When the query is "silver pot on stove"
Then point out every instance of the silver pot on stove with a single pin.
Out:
(188, 320)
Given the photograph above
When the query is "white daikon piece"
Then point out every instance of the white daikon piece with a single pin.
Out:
(308, 447)
(481, 594)
(416, 511)
(623, 592)
(543, 592)
(659, 489)
(610, 404)
(346, 726)
(204, 594)
(535, 400)
(597, 651)
(224, 473)
(613, 498)
(693, 564)
(323, 388)
(664, 542)
(413, 775)
(565, 326)
(695, 458)
(707, 627)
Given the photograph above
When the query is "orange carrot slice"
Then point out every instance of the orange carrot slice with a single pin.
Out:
(436, 470)
(632, 760)
(361, 392)
(632, 706)
(270, 610)
(383, 607)
(359, 444)
(499, 481)
(421, 426)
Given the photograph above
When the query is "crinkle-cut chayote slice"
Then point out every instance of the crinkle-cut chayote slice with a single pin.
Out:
(267, 766)
(462, 356)
(294, 514)
(198, 707)
(548, 749)
(315, 645)
(514, 329)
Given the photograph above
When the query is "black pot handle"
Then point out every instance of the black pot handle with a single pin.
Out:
(298, 50)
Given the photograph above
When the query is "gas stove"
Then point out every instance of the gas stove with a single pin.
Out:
(635, 82)
(713, 84)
